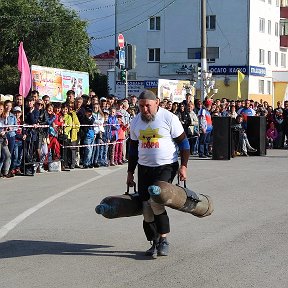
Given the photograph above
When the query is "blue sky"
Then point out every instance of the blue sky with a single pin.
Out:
(100, 15)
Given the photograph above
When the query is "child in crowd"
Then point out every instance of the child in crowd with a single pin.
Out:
(18, 147)
(113, 122)
(53, 122)
(118, 156)
(271, 135)
(105, 138)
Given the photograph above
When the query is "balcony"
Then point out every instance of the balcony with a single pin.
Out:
(284, 12)
(284, 40)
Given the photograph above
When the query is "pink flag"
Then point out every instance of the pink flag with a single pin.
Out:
(23, 67)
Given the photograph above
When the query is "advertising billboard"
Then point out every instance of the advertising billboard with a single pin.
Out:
(56, 82)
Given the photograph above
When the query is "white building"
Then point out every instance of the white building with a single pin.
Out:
(241, 35)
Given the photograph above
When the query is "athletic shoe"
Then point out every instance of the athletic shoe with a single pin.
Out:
(163, 247)
(152, 251)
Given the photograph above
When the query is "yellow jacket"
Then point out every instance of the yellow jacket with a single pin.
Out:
(75, 126)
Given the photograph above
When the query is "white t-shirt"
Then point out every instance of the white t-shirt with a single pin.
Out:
(156, 145)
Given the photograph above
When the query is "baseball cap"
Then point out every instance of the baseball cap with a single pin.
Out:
(88, 109)
(17, 109)
(119, 114)
(103, 99)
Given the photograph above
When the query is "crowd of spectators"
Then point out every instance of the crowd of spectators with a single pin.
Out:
(91, 131)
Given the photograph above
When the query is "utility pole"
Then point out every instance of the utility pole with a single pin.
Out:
(203, 48)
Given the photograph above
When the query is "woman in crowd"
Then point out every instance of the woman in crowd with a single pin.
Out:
(98, 128)
(5, 156)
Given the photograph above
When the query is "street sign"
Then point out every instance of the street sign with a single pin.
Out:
(121, 41)
(122, 57)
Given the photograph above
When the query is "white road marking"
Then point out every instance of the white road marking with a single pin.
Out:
(4, 230)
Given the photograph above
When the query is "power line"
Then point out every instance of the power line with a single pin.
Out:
(136, 25)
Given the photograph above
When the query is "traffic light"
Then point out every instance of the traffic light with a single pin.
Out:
(130, 51)
(199, 71)
(123, 75)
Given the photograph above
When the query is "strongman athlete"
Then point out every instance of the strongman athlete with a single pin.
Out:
(156, 137)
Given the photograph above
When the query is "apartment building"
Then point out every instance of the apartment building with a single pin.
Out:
(249, 35)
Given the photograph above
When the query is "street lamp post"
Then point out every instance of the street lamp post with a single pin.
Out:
(203, 48)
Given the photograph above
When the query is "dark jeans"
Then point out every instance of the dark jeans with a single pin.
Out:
(204, 141)
(17, 155)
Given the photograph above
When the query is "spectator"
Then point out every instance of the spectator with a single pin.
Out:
(245, 112)
(233, 113)
(35, 95)
(54, 124)
(65, 136)
(18, 147)
(103, 102)
(133, 103)
(70, 97)
(174, 109)
(205, 128)
(118, 155)
(5, 155)
(46, 100)
(105, 138)
(184, 118)
(271, 136)
(18, 100)
(113, 121)
(242, 146)
(169, 105)
(279, 125)
(74, 137)
(10, 120)
(98, 128)
(193, 131)
(89, 135)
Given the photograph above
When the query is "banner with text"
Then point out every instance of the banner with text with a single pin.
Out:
(56, 82)
(174, 90)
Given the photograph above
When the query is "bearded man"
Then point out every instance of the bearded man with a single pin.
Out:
(156, 137)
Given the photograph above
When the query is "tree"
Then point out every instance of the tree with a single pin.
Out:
(53, 36)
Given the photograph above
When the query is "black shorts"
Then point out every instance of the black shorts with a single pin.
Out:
(147, 176)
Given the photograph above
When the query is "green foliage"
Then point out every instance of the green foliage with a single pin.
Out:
(9, 80)
(53, 35)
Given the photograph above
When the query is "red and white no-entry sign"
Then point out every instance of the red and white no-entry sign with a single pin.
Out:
(121, 41)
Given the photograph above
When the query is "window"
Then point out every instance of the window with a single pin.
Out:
(269, 27)
(261, 56)
(276, 29)
(283, 60)
(268, 87)
(154, 55)
(261, 86)
(261, 25)
(269, 58)
(211, 22)
(276, 59)
(154, 23)
(283, 27)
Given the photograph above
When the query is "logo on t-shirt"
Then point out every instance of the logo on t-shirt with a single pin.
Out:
(149, 138)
